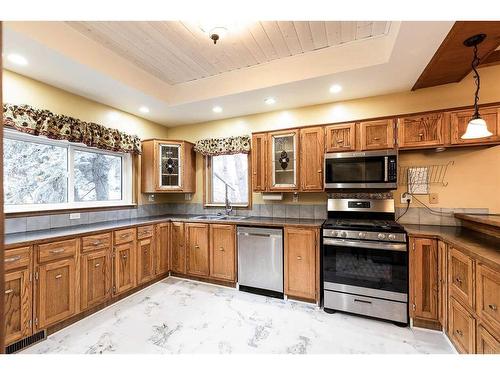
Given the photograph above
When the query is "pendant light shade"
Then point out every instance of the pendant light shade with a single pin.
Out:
(476, 128)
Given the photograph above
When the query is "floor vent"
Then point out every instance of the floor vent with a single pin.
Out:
(24, 343)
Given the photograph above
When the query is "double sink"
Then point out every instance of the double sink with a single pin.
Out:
(219, 217)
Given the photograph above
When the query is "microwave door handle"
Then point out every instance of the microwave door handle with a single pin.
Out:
(386, 166)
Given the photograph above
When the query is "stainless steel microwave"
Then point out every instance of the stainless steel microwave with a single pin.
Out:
(361, 170)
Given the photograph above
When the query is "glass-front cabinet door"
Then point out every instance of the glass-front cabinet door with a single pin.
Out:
(170, 168)
(283, 149)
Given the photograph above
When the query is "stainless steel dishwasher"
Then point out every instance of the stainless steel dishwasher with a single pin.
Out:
(260, 260)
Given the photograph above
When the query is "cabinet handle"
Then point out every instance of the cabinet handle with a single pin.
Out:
(221, 248)
(319, 171)
(124, 256)
(493, 307)
(458, 280)
(12, 259)
(196, 247)
(299, 258)
(340, 140)
(362, 301)
(97, 265)
(458, 332)
(58, 276)
(57, 251)
(421, 135)
(376, 139)
(9, 291)
(125, 235)
(96, 243)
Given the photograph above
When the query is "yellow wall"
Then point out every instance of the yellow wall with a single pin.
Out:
(472, 179)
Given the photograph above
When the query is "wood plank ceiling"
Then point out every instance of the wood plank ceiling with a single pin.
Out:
(452, 61)
(178, 52)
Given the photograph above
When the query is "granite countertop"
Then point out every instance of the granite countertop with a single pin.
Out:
(25, 238)
(493, 220)
(482, 246)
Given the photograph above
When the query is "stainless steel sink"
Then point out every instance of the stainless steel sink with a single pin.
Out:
(219, 217)
(233, 217)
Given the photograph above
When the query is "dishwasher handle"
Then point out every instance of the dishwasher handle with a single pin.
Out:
(268, 235)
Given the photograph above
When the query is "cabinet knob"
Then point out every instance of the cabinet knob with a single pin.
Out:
(493, 307)
(58, 276)
(340, 140)
(97, 265)
(9, 291)
(299, 258)
(221, 248)
(376, 139)
(458, 280)
(124, 256)
(459, 332)
(319, 171)
(196, 247)
(95, 243)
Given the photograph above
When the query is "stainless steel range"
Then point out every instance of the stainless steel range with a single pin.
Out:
(365, 260)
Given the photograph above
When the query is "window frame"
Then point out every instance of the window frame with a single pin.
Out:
(207, 185)
(127, 176)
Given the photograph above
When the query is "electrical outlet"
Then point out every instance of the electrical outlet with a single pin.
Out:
(405, 197)
(188, 196)
(433, 198)
(151, 198)
(74, 216)
(295, 198)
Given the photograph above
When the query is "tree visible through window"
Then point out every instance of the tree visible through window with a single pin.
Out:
(230, 170)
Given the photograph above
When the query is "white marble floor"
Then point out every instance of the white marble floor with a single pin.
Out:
(181, 316)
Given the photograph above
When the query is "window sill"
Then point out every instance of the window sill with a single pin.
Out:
(68, 210)
(237, 206)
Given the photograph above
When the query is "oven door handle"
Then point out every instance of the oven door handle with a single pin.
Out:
(365, 244)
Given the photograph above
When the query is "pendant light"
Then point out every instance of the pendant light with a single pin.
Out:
(476, 128)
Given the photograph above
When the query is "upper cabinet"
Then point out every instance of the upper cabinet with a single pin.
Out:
(460, 119)
(376, 135)
(421, 131)
(283, 162)
(341, 137)
(312, 145)
(168, 166)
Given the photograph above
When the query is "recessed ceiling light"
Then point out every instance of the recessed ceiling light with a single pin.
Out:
(217, 109)
(334, 89)
(144, 109)
(17, 59)
(269, 101)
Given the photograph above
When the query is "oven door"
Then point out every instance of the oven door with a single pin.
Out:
(361, 170)
(375, 268)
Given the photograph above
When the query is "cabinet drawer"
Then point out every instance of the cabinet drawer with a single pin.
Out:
(56, 250)
(488, 295)
(145, 232)
(96, 242)
(124, 236)
(486, 342)
(17, 258)
(461, 277)
(461, 328)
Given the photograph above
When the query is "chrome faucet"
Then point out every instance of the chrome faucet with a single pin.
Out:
(228, 208)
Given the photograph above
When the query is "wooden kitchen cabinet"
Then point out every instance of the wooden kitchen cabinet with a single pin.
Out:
(460, 119)
(421, 131)
(96, 277)
(18, 294)
(259, 162)
(376, 135)
(424, 281)
(341, 137)
(300, 258)
(461, 328)
(162, 242)
(223, 252)
(486, 342)
(124, 267)
(145, 260)
(168, 166)
(177, 248)
(197, 249)
(461, 277)
(443, 283)
(283, 162)
(312, 150)
(488, 295)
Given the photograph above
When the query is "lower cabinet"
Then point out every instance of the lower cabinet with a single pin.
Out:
(461, 328)
(197, 249)
(223, 252)
(162, 248)
(300, 255)
(95, 276)
(145, 260)
(124, 267)
(177, 248)
(486, 342)
(443, 284)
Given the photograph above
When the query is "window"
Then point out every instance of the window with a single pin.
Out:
(45, 174)
(227, 172)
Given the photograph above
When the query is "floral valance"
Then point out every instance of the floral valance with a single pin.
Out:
(35, 121)
(223, 146)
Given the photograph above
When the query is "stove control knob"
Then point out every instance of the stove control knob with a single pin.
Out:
(343, 234)
(381, 236)
(392, 237)
(361, 234)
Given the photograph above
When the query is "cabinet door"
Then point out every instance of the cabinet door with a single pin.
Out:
(124, 267)
(95, 277)
(197, 249)
(486, 342)
(461, 277)
(424, 279)
(162, 248)
(18, 305)
(443, 283)
(56, 297)
(312, 150)
(259, 162)
(145, 260)
(223, 252)
(421, 131)
(177, 248)
(170, 166)
(284, 161)
(341, 137)
(460, 119)
(300, 262)
(461, 328)
(376, 135)
(488, 295)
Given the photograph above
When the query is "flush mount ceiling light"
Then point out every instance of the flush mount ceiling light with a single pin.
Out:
(269, 101)
(476, 128)
(217, 109)
(17, 59)
(144, 109)
(335, 89)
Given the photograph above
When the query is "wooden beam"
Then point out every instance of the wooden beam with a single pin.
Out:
(452, 61)
(492, 59)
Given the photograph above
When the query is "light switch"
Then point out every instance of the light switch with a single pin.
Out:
(433, 198)
(74, 216)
